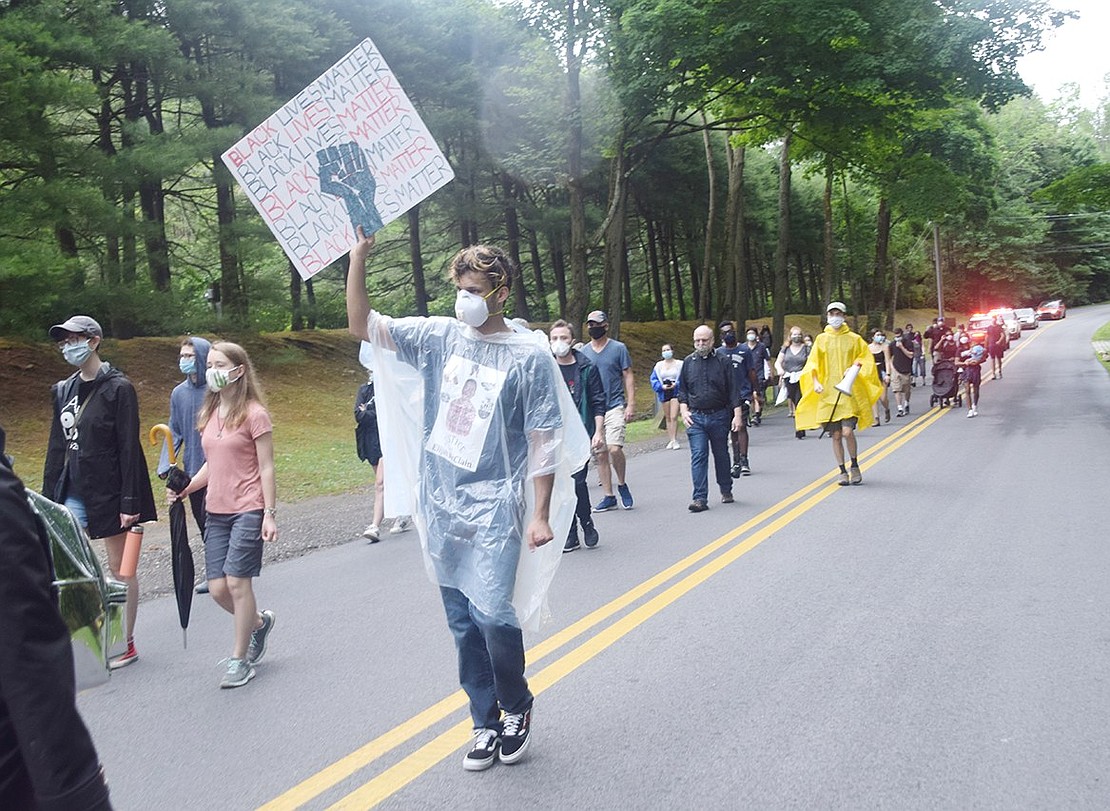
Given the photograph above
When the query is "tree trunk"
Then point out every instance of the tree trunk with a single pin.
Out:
(710, 216)
(672, 241)
(626, 276)
(882, 250)
(782, 248)
(736, 285)
(512, 233)
(295, 297)
(559, 268)
(233, 297)
(653, 269)
(419, 285)
(578, 300)
(799, 266)
(310, 295)
(614, 238)
(537, 274)
(827, 210)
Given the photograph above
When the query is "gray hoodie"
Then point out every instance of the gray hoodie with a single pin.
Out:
(185, 402)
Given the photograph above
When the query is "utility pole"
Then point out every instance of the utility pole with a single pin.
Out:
(936, 261)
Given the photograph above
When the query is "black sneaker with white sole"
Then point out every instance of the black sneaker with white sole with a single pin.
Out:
(515, 735)
(483, 752)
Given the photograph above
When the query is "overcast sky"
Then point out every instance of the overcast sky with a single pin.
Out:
(1079, 51)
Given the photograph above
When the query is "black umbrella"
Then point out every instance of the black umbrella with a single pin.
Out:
(184, 573)
(181, 555)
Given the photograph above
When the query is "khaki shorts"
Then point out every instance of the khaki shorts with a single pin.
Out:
(614, 426)
(900, 382)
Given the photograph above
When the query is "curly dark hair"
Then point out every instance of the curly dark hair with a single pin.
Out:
(485, 259)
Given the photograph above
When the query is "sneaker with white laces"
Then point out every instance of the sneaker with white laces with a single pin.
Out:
(372, 533)
(483, 751)
(515, 736)
(400, 525)
(129, 656)
(238, 673)
(256, 650)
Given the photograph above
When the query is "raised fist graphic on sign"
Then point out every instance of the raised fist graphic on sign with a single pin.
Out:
(344, 173)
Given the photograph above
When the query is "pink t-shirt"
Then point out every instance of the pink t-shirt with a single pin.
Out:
(234, 481)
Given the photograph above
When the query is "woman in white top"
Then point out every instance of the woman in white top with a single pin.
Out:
(664, 379)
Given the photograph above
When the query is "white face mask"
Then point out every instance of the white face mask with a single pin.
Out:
(836, 321)
(751, 337)
(560, 348)
(219, 379)
(471, 309)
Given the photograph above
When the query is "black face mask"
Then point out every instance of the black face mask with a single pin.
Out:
(597, 331)
(729, 338)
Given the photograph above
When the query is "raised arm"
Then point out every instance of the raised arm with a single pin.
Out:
(358, 302)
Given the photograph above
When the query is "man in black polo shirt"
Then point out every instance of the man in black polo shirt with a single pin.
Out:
(710, 405)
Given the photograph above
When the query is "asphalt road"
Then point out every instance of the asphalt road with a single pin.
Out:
(935, 638)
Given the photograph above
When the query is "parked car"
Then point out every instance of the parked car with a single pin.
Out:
(1027, 317)
(90, 601)
(1052, 310)
(1009, 320)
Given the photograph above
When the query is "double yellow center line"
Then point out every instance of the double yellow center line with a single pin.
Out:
(444, 745)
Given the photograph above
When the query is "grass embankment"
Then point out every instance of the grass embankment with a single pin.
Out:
(310, 380)
(1103, 334)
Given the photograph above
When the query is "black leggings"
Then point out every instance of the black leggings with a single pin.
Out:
(582, 491)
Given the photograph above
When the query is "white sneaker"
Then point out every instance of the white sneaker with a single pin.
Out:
(676, 446)
(372, 533)
(970, 413)
(399, 525)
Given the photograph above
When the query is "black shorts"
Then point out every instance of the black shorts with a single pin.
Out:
(973, 374)
(836, 425)
(996, 350)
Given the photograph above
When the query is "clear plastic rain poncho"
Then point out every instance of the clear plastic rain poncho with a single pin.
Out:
(466, 422)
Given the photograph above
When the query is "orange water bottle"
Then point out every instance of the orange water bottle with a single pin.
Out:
(131, 546)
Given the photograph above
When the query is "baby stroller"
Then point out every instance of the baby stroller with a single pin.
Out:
(945, 384)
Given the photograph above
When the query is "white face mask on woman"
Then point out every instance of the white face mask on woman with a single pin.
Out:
(836, 321)
(219, 379)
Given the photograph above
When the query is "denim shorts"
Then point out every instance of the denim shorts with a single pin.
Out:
(233, 545)
(77, 507)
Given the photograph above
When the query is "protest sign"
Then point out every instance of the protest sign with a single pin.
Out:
(348, 150)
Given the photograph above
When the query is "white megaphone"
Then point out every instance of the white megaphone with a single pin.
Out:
(846, 382)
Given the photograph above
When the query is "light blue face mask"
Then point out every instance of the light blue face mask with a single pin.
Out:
(187, 366)
(76, 353)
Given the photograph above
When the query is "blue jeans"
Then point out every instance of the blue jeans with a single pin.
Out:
(917, 368)
(76, 506)
(709, 431)
(491, 661)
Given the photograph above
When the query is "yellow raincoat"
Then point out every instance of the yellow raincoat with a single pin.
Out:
(834, 350)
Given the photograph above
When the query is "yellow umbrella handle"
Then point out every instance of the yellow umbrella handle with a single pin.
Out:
(163, 432)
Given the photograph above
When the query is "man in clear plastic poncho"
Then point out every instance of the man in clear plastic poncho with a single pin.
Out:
(485, 438)
(825, 406)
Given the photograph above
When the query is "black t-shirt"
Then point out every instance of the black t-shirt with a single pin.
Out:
(994, 334)
(570, 372)
(903, 363)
